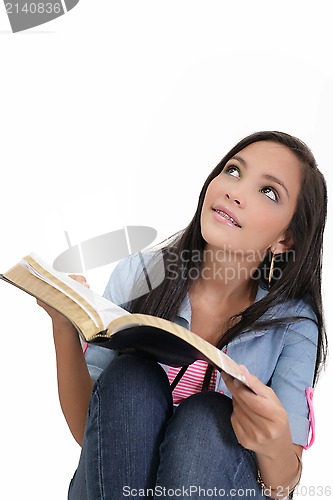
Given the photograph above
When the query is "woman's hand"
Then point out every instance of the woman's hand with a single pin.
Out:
(55, 315)
(259, 420)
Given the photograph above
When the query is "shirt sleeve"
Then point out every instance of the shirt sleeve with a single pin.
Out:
(294, 373)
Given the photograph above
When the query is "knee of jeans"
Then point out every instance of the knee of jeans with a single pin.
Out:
(130, 371)
(203, 420)
(208, 406)
(201, 400)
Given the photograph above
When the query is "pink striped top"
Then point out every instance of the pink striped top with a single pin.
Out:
(191, 381)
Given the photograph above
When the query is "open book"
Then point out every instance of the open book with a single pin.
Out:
(102, 322)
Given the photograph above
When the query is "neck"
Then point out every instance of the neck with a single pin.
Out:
(227, 275)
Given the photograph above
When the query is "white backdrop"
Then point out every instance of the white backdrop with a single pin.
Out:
(112, 115)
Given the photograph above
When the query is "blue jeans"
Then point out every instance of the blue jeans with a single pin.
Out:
(137, 445)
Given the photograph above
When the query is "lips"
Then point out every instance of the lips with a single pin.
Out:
(228, 215)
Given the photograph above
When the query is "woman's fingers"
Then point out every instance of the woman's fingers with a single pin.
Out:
(259, 419)
(81, 279)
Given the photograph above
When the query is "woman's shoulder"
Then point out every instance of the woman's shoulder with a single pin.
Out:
(134, 276)
(149, 264)
(285, 307)
(297, 313)
(300, 308)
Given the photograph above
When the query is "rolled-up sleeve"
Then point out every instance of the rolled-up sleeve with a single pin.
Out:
(294, 373)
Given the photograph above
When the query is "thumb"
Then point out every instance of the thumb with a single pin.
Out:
(253, 382)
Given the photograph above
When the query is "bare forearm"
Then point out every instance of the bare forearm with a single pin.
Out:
(74, 382)
(281, 471)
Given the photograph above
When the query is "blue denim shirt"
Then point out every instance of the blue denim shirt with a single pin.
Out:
(283, 358)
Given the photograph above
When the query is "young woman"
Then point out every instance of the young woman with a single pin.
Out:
(246, 276)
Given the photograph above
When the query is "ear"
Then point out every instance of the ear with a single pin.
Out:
(284, 243)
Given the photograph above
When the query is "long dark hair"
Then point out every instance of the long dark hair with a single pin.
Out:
(299, 276)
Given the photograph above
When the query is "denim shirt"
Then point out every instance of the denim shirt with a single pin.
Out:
(281, 357)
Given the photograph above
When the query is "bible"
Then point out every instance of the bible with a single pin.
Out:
(103, 323)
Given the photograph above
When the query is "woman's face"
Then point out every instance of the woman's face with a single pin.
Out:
(249, 205)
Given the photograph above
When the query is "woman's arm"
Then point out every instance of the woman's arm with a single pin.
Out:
(74, 382)
(261, 424)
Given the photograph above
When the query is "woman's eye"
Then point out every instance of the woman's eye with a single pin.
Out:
(232, 170)
(270, 193)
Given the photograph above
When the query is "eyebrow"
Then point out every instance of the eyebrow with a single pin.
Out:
(265, 176)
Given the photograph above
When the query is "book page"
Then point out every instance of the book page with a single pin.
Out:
(107, 310)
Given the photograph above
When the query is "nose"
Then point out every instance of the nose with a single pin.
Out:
(235, 200)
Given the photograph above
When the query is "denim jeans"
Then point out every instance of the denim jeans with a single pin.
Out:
(137, 445)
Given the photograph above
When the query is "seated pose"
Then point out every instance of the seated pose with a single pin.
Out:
(245, 275)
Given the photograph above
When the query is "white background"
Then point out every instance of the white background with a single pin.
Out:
(112, 115)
